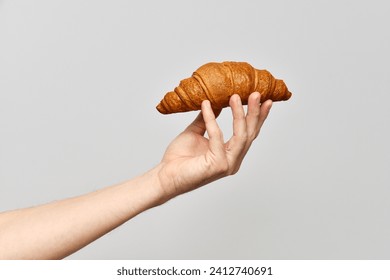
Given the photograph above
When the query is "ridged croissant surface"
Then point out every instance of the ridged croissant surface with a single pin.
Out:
(217, 82)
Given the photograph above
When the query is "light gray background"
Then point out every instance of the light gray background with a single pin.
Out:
(79, 81)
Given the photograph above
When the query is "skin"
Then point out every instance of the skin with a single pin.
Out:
(60, 228)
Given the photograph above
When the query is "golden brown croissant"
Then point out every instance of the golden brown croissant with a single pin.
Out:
(217, 82)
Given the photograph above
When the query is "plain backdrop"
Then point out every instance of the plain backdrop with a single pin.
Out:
(79, 82)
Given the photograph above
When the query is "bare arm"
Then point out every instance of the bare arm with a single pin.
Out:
(58, 229)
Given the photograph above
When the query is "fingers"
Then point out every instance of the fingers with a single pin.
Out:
(245, 128)
(257, 114)
(265, 108)
(236, 145)
(216, 142)
(253, 114)
(239, 122)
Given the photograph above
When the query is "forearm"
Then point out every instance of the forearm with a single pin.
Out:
(58, 229)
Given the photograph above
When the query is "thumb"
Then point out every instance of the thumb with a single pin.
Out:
(197, 126)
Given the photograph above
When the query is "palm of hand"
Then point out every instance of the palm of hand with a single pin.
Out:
(187, 145)
(188, 162)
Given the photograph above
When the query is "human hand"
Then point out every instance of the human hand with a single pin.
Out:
(192, 160)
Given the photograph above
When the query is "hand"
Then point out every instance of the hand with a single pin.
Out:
(192, 160)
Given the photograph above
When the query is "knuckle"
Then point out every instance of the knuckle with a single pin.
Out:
(224, 167)
(217, 166)
(255, 113)
(253, 136)
(243, 136)
(239, 117)
(235, 170)
(217, 133)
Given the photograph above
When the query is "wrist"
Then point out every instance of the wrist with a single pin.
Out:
(156, 185)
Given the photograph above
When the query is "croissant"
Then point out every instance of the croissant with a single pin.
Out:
(217, 82)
